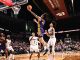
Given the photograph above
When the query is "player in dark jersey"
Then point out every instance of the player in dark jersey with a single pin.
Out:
(2, 44)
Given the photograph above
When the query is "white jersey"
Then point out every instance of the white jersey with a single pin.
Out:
(52, 39)
(51, 32)
(8, 43)
(33, 40)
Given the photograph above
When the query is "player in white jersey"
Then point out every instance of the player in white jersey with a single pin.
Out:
(9, 48)
(34, 47)
(52, 40)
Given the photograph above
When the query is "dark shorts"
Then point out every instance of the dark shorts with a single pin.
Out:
(2, 46)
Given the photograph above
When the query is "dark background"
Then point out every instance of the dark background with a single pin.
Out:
(25, 17)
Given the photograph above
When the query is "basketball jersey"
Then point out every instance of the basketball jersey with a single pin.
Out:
(2, 44)
(51, 30)
(8, 43)
(33, 40)
(42, 27)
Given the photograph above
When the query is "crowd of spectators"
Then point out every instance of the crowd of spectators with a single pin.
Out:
(22, 46)
(72, 46)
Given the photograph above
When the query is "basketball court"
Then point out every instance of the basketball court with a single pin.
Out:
(58, 56)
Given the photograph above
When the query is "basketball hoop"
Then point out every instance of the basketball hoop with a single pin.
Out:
(16, 10)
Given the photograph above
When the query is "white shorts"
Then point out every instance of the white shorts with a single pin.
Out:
(52, 42)
(10, 48)
(34, 48)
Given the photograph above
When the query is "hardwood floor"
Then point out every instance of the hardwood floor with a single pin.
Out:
(58, 56)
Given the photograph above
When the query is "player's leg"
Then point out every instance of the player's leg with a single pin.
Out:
(47, 47)
(53, 52)
(45, 51)
(31, 51)
(8, 57)
(31, 55)
(50, 49)
(53, 47)
(38, 55)
(11, 53)
(37, 50)
(44, 47)
(6, 54)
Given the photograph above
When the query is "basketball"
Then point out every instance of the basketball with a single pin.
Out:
(29, 7)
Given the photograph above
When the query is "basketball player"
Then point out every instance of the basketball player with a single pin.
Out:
(41, 33)
(34, 45)
(2, 43)
(9, 48)
(40, 23)
(52, 39)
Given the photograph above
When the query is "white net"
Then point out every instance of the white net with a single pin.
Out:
(16, 9)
